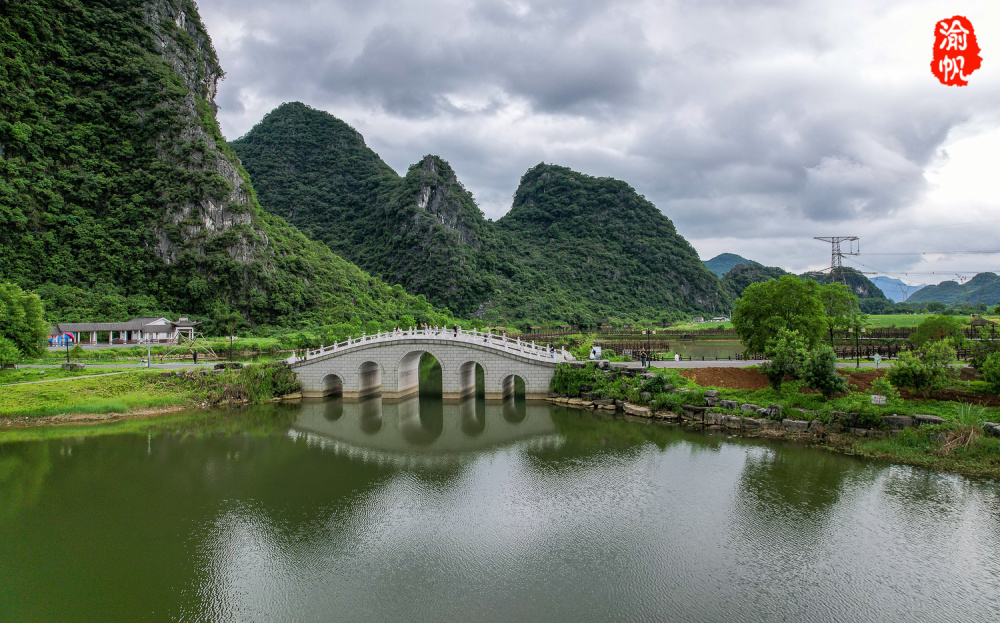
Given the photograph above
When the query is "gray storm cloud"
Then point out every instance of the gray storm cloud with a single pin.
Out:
(740, 121)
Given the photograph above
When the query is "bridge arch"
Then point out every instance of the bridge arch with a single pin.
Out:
(509, 384)
(466, 377)
(369, 378)
(333, 385)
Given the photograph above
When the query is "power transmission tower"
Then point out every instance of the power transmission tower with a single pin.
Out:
(837, 256)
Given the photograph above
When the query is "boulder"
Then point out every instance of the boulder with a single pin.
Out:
(603, 402)
(992, 428)
(647, 396)
(897, 422)
(749, 408)
(732, 421)
(795, 426)
(637, 410)
(712, 417)
(712, 393)
(752, 422)
(730, 405)
(711, 400)
(922, 418)
(73, 366)
(815, 427)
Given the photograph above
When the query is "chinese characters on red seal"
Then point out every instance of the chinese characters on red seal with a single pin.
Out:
(956, 51)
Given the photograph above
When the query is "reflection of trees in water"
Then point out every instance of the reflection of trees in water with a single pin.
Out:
(23, 468)
(424, 425)
(430, 376)
(793, 487)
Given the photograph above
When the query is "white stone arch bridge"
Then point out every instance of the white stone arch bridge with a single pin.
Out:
(387, 364)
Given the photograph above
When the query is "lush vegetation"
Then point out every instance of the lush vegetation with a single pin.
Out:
(959, 444)
(118, 194)
(573, 248)
(140, 390)
(983, 288)
(22, 324)
(724, 262)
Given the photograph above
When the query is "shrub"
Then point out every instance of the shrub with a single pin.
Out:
(819, 371)
(936, 329)
(787, 353)
(924, 371)
(885, 388)
(991, 371)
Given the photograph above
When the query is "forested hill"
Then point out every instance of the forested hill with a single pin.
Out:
(983, 288)
(617, 256)
(117, 190)
(855, 280)
(724, 262)
(599, 238)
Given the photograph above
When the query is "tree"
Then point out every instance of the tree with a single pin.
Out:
(819, 371)
(786, 352)
(22, 320)
(936, 307)
(839, 304)
(228, 321)
(788, 303)
(9, 354)
(937, 328)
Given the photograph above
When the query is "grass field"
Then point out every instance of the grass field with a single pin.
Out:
(113, 394)
(30, 374)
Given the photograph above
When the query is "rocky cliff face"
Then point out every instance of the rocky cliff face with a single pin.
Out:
(440, 201)
(115, 180)
(223, 211)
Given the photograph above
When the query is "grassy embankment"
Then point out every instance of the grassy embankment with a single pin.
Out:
(29, 375)
(958, 445)
(138, 391)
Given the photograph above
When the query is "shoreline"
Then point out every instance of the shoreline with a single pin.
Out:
(865, 443)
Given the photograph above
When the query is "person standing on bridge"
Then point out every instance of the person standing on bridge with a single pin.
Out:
(456, 329)
(642, 357)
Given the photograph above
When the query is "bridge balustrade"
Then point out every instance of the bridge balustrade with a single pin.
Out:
(501, 342)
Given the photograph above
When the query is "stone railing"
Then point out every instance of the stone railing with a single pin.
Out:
(502, 343)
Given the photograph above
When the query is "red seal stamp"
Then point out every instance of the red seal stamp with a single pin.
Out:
(956, 51)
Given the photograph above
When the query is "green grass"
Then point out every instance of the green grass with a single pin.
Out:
(28, 375)
(120, 393)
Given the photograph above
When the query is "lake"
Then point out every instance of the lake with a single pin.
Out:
(424, 511)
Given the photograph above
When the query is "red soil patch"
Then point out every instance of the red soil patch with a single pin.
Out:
(727, 378)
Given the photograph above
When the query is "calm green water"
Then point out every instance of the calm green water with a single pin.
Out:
(427, 512)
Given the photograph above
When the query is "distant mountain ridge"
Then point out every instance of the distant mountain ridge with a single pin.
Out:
(983, 288)
(896, 289)
(573, 247)
(724, 262)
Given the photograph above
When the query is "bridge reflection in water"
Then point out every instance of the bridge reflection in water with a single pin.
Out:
(418, 431)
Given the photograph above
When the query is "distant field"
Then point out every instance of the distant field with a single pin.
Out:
(909, 320)
(696, 326)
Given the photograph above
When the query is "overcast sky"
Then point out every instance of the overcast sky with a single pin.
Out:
(754, 126)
